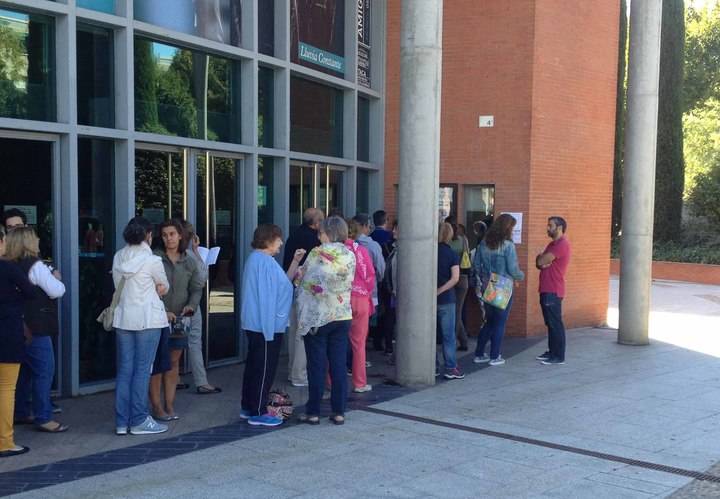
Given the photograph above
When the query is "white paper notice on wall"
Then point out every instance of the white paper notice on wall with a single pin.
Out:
(486, 121)
(517, 230)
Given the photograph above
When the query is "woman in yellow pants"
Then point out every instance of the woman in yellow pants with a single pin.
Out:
(14, 289)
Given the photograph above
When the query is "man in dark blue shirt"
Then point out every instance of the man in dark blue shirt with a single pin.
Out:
(448, 275)
(382, 234)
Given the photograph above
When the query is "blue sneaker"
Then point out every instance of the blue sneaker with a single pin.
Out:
(265, 420)
(244, 414)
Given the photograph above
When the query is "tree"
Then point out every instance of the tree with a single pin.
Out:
(670, 166)
(620, 111)
(702, 56)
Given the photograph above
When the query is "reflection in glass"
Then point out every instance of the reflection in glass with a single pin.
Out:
(96, 242)
(27, 66)
(266, 27)
(101, 5)
(95, 76)
(216, 226)
(302, 193)
(316, 118)
(362, 195)
(266, 179)
(447, 202)
(217, 20)
(479, 206)
(187, 93)
(265, 106)
(363, 129)
(330, 195)
(317, 32)
(27, 180)
(159, 185)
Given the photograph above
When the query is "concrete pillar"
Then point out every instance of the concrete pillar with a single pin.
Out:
(639, 174)
(420, 82)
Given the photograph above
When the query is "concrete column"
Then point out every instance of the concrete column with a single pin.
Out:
(639, 174)
(420, 84)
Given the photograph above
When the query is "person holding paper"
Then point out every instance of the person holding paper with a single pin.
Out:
(496, 254)
(197, 363)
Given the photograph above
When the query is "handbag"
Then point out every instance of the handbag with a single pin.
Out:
(498, 291)
(465, 262)
(106, 316)
(180, 328)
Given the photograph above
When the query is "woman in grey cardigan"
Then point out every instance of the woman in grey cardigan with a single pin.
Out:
(182, 300)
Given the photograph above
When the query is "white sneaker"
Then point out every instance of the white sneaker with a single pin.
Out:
(121, 430)
(300, 384)
(481, 360)
(148, 427)
(497, 362)
(363, 389)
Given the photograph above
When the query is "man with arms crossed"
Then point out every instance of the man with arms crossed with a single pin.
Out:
(553, 263)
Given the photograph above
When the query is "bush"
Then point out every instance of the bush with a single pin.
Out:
(698, 244)
(705, 196)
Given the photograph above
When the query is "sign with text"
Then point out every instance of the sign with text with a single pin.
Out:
(363, 38)
(320, 57)
(317, 35)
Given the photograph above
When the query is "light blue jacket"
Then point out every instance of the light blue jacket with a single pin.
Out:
(502, 260)
(266, 296)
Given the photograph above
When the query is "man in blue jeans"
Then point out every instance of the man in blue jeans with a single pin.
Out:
(448, 274)
(553, 263)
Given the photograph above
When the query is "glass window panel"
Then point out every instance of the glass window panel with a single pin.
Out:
(316, 118)
(362, 196)
(27, 66)
(447, 201)
(101, 5)
(217, 20)
(187, 93)
(266, 27)
(265, 106)
(317, 32)
(363, 129)
(330, 193)
(96, 242)
(159, 185)
(266, 190)
(302, 192)
(95, 77)
(479, 206)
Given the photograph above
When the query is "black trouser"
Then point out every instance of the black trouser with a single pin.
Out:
(383, 331)
(262, 361)
(551, 306)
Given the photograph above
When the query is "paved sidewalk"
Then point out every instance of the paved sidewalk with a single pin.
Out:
(519, 430)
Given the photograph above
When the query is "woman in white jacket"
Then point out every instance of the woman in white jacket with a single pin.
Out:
(138, 319)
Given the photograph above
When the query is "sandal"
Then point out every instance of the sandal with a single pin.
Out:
(16, 451)
(207, 391)
(313, 420)
(337, 419)
(57, 428)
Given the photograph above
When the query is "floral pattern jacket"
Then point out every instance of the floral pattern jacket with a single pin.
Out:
(324, 284)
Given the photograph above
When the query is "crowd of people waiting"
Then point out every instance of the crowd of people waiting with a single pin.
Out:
(337, 285)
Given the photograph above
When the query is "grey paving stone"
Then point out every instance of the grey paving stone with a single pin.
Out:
(630, 483)
(593, 490)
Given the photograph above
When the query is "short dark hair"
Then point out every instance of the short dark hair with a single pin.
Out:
(362, 218)
(137, 230)
(13, 212)
(177, 224)
(379, 218)
(560, 222)
(265, 234)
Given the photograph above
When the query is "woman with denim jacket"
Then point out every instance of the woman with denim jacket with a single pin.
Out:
(496, 253)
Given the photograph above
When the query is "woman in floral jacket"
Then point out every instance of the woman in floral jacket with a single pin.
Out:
(324, 315)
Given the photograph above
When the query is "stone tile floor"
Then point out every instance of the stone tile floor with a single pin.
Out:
(659, 404)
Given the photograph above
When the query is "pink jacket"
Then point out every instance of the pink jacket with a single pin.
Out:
(364, 282)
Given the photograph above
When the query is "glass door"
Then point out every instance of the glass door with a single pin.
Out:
(315, 185)
(218, 226)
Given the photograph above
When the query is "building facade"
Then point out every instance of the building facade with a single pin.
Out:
(528, 127)
(227, 113)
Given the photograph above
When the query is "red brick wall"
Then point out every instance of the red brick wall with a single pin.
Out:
(676, 271)
(552, 93)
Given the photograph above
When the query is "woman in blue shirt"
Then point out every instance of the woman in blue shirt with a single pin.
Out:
(267, 294)
(496, 253)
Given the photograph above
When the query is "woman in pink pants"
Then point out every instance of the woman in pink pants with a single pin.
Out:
(362, 307)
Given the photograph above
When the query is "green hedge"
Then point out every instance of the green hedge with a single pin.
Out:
(685, 251)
